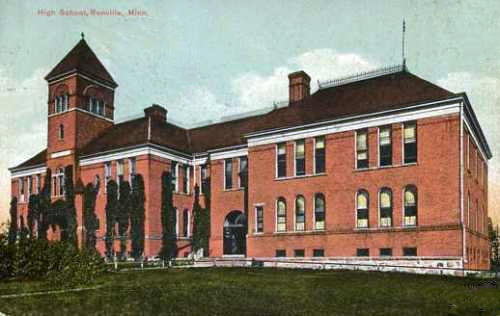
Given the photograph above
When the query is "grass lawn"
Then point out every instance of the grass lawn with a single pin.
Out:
(235, 291)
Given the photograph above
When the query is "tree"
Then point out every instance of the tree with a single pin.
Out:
(196, 243)
(70, 212)
(123, 216)
(45, 205)
(90, 221)
(33, 213)
(13, 221)
(494, 243)
(111, 211)
(205, 219)
(137, 216)
(23, 236)
(168, 249)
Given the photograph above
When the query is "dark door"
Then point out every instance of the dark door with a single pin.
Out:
(235, 230)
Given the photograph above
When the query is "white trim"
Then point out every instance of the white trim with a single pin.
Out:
(233, 153)
(337, 126)
(28, 172)
(83, 111)
(73, 73)
(60, 154)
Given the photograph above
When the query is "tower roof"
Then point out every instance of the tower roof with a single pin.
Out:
(83, 60)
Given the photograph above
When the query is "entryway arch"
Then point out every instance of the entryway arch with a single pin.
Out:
(234, 233)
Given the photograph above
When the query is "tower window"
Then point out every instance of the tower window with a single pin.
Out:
(61, 103)
(61, 131)
(96, 106)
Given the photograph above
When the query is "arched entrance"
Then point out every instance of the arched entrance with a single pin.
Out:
(235, 230)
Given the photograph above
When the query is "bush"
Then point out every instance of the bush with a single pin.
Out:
(58, 262)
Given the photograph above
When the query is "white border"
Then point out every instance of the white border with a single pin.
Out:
(28, 172)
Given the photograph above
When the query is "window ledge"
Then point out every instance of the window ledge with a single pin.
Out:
(387, 167)
(233, 189)
(300, 177)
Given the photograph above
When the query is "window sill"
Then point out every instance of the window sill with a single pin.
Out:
(300, 177)
(386, 167)
(233, 189)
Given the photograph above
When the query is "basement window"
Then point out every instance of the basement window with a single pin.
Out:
(362, 252)
(299, 253)
(386, 252)
(409, 251)
(318, 253)
(280, 253)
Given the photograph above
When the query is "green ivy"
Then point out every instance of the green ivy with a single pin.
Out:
(124, 206)
(137, 216)
(90, 220)
(168, 249)
(13, 221)
(111, 212)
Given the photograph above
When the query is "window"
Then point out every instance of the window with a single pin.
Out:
(300, 159)
(410, 143)
(259, 219)
(38, 183)
(132, 169)
(281, 161)
(385, 146)
(318, 253)
(281, 215)
(58, 182)
(361, 149)
(204, 178)
(299, 252)
(362, 209)
(119, 175)
(21, 189)
(61, 103)
(385, 252)
(410, 206)
(173, 171)
(385, 201)
(107, 175)
(97, 182)
(30, 186)
(300, 217)
(319, 155)
(61, 131)
(185, 223)
(228, 174)
(243, 171)
(96, 106)
(319, 212)
(280, 253)
(185, 178)
(362, 252)
(409, 251)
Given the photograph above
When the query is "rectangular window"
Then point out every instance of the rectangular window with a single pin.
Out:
(299, 252)
(318, 253)
(119, 175)
(280, 253)
(361, 149)
(38, 183)
(173, 173)
(243, 171)
(385, 146)
(132, 169)
(281, 160)
(21, 189)
(228, 174)
(300, 158)
(319, 155)
(362, 252)
(259, 219)
(185, 178)
(107, 175)
(410, 143)
(409, 251)
(204, 178)
(30, 186)
(385, 252)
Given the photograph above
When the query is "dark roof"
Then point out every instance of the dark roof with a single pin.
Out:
(38, 159)
(83, 60)
(386, 92)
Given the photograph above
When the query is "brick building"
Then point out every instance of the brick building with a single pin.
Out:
(385, 167)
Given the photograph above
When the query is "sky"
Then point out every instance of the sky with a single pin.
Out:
(210, 60)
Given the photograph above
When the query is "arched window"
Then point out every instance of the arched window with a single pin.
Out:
(362, 209)
(319, 211)
(410, 206)
(61, 131)
(61, 103)
(185, 223)
(385, 204)
(300, 213)
(281, 215)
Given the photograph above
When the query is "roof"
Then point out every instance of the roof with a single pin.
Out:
(38, 159)
(83, 60)
(391, 91)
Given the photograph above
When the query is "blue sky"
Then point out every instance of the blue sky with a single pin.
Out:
(207, 59)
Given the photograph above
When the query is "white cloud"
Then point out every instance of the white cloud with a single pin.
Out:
(256, 91)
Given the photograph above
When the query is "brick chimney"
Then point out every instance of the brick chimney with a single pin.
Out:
(298, 87)
(156, 112)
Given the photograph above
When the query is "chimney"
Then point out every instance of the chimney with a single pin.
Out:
(298, 87)
(156, 112)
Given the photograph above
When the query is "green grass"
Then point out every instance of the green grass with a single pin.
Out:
(236, 291)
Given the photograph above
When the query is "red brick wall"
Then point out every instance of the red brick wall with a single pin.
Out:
(438, 204)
